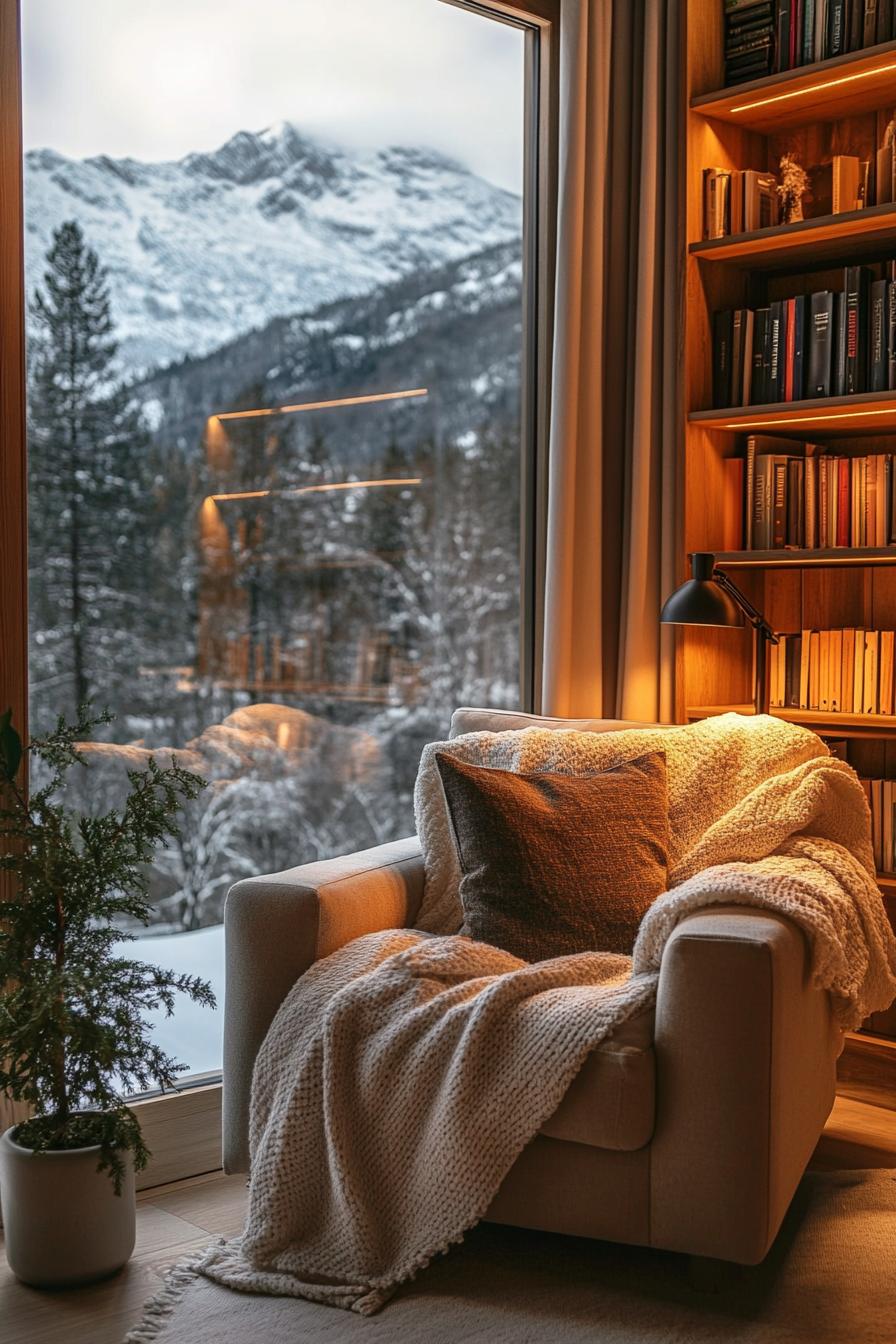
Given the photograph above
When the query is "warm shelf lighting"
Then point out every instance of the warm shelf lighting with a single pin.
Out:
(814, 88)
(809, 419)
(318, 489)
(324, 405)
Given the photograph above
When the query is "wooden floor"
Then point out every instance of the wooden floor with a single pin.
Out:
(174, 1220)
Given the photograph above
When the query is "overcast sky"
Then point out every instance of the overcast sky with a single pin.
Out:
(156, 79)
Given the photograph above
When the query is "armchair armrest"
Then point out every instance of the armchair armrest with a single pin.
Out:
(746, 1049)
(276, 926)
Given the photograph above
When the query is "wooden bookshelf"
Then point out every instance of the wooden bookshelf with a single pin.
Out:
(842, 87)
(820, 418)
(807, 242)
(798, 559)
(838, 106)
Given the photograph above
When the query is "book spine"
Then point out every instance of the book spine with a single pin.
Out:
(811, 505)
(737, 357)
(855, 331)
(799, 347)
(891, 335)
(782, 35)
(843, 502)
(789, 346)
(838, 376)
(761, 510)
(779, 515)
(760, 334)
(750, 487)
(721, 358)
(795, 509)
(869, 31)
(776, 315)
(835, 44)
(877, 338)
(808, 32)
(821, 313)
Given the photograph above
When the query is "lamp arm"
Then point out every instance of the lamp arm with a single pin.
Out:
(756, 618)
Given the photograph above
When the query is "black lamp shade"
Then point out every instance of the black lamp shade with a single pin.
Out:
(700, 600)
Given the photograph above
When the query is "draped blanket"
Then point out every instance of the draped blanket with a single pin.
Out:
(405, 1073)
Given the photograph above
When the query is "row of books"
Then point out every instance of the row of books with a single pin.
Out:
(742, 200)
(881, 795)
(766, 36)
(800, 495)
(847, 671)
(827, 344)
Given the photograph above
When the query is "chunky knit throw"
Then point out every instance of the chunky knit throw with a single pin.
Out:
(404, 1074)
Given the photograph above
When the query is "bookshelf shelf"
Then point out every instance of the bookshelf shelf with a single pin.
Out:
(854, 726)
(826, 91)
(797, 559)
(805, 243)
(824, 417)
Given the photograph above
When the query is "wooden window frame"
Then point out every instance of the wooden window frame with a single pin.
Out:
(183, 1127)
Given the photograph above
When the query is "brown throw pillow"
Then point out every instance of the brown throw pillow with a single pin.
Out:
(554, 864)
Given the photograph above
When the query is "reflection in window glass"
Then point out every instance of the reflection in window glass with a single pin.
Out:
(274, 415)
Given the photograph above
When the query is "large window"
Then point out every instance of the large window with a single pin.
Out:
(275, 335)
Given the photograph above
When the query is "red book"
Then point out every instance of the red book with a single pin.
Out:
(790, 342)
(843, 510)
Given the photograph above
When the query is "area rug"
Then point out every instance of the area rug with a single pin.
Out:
(829, 1279)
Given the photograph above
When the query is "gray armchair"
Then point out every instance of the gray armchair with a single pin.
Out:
(687, 1130)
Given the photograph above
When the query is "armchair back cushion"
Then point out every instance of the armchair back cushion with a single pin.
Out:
(554, 864)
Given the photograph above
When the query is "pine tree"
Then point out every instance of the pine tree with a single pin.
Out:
(89, 486)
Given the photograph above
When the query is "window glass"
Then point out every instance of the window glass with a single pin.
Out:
(274, 263)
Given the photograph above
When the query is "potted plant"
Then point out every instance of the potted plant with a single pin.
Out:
(74, 1037)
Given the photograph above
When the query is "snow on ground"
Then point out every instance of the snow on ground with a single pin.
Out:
(193, 1033)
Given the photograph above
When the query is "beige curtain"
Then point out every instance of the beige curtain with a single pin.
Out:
(610, 546)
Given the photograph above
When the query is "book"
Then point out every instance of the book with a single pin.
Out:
(878, 355)
(775, 385)
(808, 54)
(885, 672)
(760, 200)
(821, 317)
(838, 372)
(805, 644)
(759, 383)
(799, 346)
(883, 175)
(870, 691)
(789, 347)
(836, 22)
(847, 669)
(887, 829)
(779, 506)
(869, 31)
(891, 335)
(782, 35)
(811, 540)
(856, 286)
(833, 186)
(858, 679)
(722, 329)
(843, 502)
(835, 672)
(737, 357)
(795, 503)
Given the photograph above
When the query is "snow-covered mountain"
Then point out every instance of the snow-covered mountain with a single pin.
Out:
(204, 249)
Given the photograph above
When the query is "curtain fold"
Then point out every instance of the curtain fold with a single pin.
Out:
(612, 508)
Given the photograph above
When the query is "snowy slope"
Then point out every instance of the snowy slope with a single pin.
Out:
(203, 249)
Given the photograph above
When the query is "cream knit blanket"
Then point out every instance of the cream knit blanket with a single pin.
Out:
(405, 1073)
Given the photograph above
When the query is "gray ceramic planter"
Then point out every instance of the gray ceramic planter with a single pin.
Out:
(63, 1222)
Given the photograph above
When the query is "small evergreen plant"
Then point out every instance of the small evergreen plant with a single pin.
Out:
(74, 1039)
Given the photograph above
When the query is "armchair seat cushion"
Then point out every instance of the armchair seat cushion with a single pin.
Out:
(611, 1102)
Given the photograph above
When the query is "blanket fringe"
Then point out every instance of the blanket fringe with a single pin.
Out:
(160, 1307)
